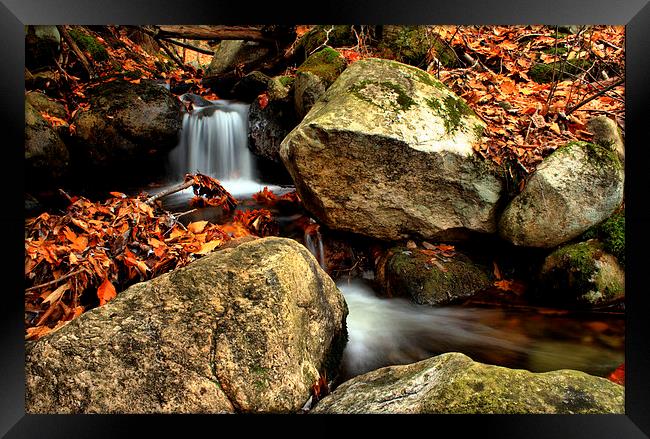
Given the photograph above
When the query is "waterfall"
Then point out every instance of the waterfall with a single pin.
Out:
(314, 243)
(214, 141)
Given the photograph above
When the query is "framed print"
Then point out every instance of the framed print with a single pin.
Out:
(368, 209)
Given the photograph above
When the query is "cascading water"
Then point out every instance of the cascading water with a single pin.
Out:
(214, 141)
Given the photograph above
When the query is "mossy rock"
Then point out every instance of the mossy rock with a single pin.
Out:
(581, 274)
(431, 280)
(611, 233)
(339, 36)
(558, 70)
(411, 44)
(327, 64)
(90, 44)
(42, 46)
(452, 383)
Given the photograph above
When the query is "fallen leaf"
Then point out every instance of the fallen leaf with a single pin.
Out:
(56, 294)
(197, 227)
(106, 292)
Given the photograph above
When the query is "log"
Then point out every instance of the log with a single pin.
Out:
(266, 34)
(188, 46)
(176, 188)
(82, 58)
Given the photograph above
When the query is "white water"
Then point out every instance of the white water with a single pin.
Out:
(390, 331)
(314, 243)
(214, 142)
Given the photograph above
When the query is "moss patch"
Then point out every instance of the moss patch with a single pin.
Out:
(611, 233)
(89, 44)
(403, 101)
(542, 73)
(326, 64)
(452, 110)
(286, 81)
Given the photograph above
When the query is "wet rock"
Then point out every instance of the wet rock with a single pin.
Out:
(230, 53)
(454, 384)
(576, 187)
(387, 153)
(251, 86)
(429, 279)
(245, 329)
(269, 124)
(582, 274)
(46, 156)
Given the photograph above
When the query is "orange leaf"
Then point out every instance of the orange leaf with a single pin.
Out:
(197, 227)
(106, 292)
(208, 247)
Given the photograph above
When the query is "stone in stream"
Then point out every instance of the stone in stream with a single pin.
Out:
(582, 274)
(387, 152)
(454, 384)
(576, 187)
(430, 280)
(126, 124)
(244, 329)
(46, 156)
(314, 76)
(269, 124)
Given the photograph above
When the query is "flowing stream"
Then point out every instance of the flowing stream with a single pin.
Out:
(394, 331)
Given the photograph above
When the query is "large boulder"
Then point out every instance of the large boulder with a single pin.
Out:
(576, 187)
(387, 152)
(454, 384)
(46, 156)
(245, 329)
(428, 277)
(582, 274)
(126, 123)
(314, 76)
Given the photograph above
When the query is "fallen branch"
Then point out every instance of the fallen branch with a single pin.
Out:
(594, 96)
(171, 190)
(188, 46)
(55, 281)
(71, 43)
(171, 54)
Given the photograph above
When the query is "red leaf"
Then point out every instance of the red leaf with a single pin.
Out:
(263, 100)
(106, 292)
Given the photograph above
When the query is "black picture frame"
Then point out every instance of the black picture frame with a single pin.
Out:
(635, 14)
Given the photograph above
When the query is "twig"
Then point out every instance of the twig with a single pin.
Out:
(82, 58)
(171, 190)
(601, 92)
(171, 54)
(55, 281)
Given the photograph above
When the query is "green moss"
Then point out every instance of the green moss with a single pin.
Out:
(555, 50)
(286, 81)
(452, 113)
(611, 233)
(478, 131)
(327, 64)
(339, 36)
(579, 258)
(89, 44)
(542, 73)
(403, 101)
